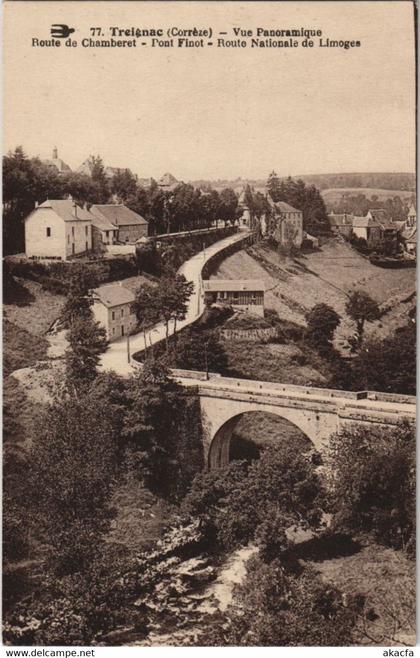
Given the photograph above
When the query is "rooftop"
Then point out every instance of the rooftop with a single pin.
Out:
(225, 285)
(167, 180)
(365, 222)
(117, 214)
(340, 219)
(113, 294)
(67, 209)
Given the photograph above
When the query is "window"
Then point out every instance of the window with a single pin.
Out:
(107, 234)
(86, 246)
(113, 315)
(72, 231)
(122, 312)
(68, 238)
(48, 232)
(236, 295)
(113, 331)
(86, 230)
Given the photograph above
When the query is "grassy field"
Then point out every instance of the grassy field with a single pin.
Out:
(333, 195)
(386, 578)
(329, 275)
(33, 308)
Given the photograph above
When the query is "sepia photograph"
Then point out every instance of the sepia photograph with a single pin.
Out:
(209, 325)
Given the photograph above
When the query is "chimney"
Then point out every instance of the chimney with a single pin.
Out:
(55, 153)
(36, 204)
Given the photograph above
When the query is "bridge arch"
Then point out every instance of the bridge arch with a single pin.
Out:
(219, 446)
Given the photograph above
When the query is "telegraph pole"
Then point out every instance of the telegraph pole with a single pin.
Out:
(128, 346)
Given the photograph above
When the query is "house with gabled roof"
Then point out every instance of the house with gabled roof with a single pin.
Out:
(58, 229)
(130, 225)
(113, 308)
(285, 224)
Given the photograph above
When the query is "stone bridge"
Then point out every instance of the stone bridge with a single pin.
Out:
(317, 412)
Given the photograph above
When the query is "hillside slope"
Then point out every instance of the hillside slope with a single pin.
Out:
(293, 286)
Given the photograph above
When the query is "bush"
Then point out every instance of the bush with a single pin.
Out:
(233, 502)
(373, 483)
(274, 608)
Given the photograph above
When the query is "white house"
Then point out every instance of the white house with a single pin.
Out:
(113, 309)
(58, 229)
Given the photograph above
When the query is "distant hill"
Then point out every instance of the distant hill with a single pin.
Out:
(395, 181)
(333, 196)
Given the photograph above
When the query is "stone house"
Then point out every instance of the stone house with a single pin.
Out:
(113, 309)
(411, 217)
(242, 295)
(367, 228)
(409, 232)
(284, 224)
(58, 229)
(341, 224)
(130, 225)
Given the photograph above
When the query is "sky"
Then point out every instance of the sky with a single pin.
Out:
(214, 113)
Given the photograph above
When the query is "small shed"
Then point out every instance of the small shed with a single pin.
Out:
(242, 294)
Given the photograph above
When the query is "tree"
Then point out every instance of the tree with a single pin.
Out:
(183, 290)
(124, 185)
(171, 298)
(146, 309)
(157, 209)
(322, 322)
(388, 365)
(25, 182)
(72, 465)
(199, 350)
(228, 206)
(79, 299)
(362, 308)
(373, 483)
(87, 341)
(274, 187)
(151, 426)
(98, 176)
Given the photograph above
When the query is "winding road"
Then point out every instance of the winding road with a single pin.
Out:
(116, 357)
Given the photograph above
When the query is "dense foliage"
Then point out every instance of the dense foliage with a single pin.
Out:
(234, 502)
(361, 308)
(28, 180)
(275, 608)
(305, 198)
(389, 364)
(322, 321)
(373, 483)
(156, 414)
(359, 204)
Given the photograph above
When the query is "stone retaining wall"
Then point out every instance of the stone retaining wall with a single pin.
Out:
(255, 335)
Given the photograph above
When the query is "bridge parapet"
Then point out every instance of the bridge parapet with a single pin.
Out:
(231, 383)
